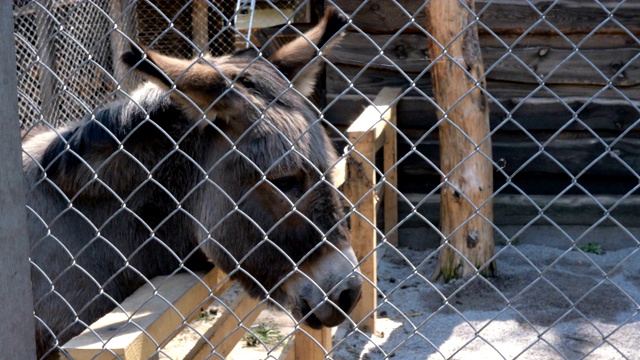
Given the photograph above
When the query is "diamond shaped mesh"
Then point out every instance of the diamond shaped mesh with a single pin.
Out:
(564, 111)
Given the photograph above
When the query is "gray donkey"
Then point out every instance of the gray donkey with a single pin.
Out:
(220, 158)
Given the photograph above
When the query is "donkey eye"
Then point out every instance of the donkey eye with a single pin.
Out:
(287, 184)
(247, 82)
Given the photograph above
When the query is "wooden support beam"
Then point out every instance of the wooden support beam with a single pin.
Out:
(367, 135)
(465, 156)
(359, 190)
(228, 329)
(390, 170)
(308, 344)
(155, 316)
(312, 344)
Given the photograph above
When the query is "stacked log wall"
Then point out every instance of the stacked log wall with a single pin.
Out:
(554, 84)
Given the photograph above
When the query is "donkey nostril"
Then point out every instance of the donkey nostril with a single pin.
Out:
(347, 299)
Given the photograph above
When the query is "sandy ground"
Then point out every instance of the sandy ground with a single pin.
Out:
(545, 303)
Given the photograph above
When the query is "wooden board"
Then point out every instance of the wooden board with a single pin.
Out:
(573, 154)
(502, 16)
(390, 172)
(370, 81)
(367, 134)
(417, 112)
(228, 329)
(409, 53)
(521, 210)
(132, 330)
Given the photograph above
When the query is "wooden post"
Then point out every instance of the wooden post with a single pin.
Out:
(359, 190)
(306, 348)
(465, 146)
(368, 134)
(390, 155)
(16, 313)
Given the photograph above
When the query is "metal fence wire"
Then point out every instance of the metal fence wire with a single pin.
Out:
(563, 101)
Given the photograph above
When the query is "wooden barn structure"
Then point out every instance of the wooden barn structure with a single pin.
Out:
(563, 84)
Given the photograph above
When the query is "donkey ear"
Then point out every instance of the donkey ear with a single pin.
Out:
(164, 70)
(294, 59)
(143, 61)
(197, 83)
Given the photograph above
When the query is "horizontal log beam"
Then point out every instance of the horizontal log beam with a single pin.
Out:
(371, 80)
(558, 157)
(526, 61)
(417, 112)
(502, 16)
(521, 210)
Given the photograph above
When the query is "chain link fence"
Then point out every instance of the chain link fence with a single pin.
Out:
(563, 107)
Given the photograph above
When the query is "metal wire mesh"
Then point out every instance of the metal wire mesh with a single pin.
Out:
(564, 126)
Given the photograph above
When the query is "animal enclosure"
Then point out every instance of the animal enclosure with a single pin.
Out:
(558, 82)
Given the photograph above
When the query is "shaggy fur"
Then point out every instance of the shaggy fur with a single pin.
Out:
(216, 156)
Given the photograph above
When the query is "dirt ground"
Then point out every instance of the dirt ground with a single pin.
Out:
(545, 303)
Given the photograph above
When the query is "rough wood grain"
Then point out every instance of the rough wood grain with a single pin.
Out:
(465, 159)
(312, 344)
(17, 340)
(228, 329)
(156, 318)
(527, 62)
(365, 134)
(560, 156)
(534, 114)
(371, 81)
(515, 209)
(502, 16)
(390, 171)
(359, 190)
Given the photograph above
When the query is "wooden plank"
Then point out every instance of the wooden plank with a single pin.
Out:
(416, 112)
(312, 344)
(390, 159)
(228, 329)
(375, 117)
(147, 318)
(364, 133)
(359, 190)
(409, 52)
(16, 315)
(289, 352)
(573, 154)
(502, 16)
(515, 209)
(371, 81)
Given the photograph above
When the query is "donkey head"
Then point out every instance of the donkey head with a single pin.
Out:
(266, 211)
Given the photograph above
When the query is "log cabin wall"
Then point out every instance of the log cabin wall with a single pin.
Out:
(561, 89)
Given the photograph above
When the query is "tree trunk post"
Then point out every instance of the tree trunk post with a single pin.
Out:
(466, 213)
